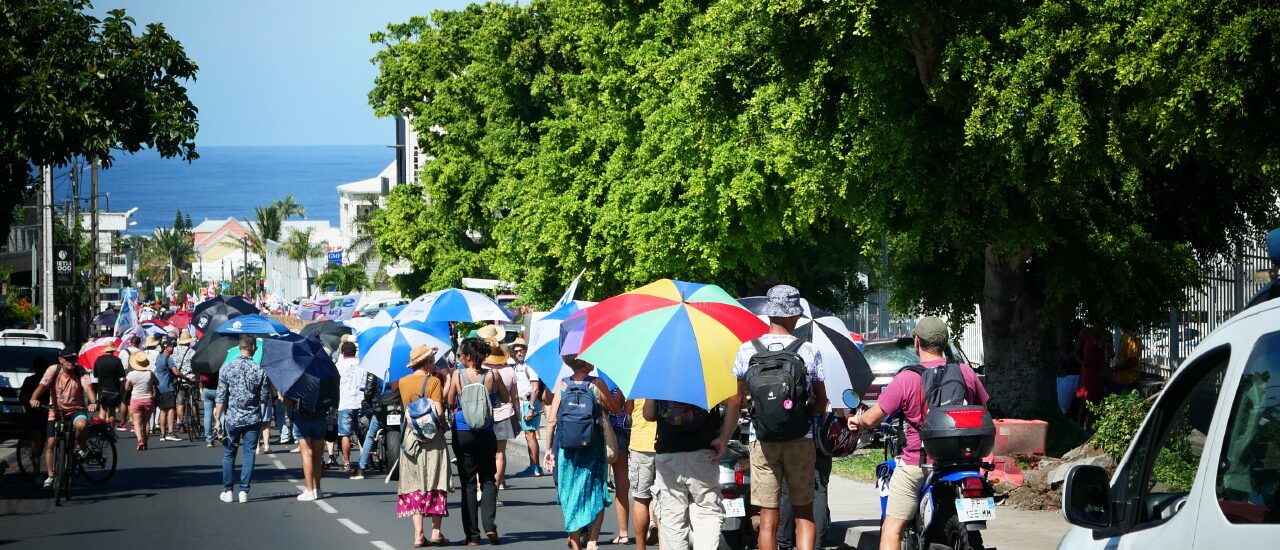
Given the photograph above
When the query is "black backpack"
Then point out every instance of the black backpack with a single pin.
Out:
(942, 386)
(778, 383)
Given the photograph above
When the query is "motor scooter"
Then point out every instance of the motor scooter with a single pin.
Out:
(738, 532)
(955, 502)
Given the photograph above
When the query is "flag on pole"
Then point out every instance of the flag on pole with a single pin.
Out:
(570, 292)
(128, 317)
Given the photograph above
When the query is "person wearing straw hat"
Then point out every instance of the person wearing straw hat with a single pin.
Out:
(505, 424)
(181, 356)
(529, 389)
(141, 385)
(425, 480)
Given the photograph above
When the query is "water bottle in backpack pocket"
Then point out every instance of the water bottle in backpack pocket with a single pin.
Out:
(578, 414)
(778, 384)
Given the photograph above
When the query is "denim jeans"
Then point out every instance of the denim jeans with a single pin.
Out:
(250, 435)
(208, 396)
(365, 449)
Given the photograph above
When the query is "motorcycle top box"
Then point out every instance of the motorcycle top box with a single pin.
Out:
(957, 433)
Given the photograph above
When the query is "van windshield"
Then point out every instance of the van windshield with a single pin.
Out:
(25, 359)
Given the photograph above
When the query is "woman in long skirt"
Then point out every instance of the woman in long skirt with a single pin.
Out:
(425, 482)
(582, 475)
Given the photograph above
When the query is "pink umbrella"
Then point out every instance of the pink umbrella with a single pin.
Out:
(93, 350)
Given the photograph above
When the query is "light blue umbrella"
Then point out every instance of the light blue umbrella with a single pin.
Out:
(544, 342)
(252, 324)
(384, 350)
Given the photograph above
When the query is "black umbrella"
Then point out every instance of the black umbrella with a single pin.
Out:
(302, 370)
(107, 317)
(328, 332)
(847, 373)
(209, 315)
(211, 351)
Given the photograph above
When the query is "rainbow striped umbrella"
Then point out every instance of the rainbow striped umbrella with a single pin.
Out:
(670, 340)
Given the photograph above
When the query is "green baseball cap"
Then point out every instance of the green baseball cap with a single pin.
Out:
(932, 330)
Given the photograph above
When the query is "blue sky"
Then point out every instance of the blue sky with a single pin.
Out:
(281, 72)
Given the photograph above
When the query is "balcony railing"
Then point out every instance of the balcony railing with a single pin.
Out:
(22, 238)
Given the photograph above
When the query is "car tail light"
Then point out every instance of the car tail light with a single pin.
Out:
(973, 487)
(740, 477)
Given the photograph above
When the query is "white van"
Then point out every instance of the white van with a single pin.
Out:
(23, 353)
(1204, 470)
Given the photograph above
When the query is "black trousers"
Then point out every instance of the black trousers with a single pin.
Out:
(821, 514)
(476, 452)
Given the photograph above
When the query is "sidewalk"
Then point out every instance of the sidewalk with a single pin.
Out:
(855, 509)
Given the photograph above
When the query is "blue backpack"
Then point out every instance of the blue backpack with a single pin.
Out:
(577, 416)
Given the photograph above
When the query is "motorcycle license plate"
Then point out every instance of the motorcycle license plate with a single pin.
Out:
(393, 420)
(735, 508)
(975, 509)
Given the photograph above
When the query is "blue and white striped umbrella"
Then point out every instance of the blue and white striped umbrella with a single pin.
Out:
(384, 350)
(544, 342)
(453, 305)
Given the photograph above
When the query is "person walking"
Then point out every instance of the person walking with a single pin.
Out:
(688, 442)
(575, 433)
(208, 395)
(310, 425)
(110, 373)
(784, 379)
(530, 391)
(473, 393)
(181, 357)
(166, 392)
(641, 472)
(904, 394)
(374, 390)
(140, 384)
(620, 421)
(425, 481)
(350, 398)
(505, 424)
(243, 390)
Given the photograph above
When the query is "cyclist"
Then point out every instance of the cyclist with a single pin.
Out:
(72, 391)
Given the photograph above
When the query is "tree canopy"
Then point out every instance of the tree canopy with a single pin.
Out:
(1040, 161)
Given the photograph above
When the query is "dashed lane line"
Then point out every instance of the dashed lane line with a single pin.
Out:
(279, 465)
(382, 545)
(328, 509)
(353, 526)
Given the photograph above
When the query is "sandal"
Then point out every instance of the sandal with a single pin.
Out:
(493, 538)
(438, 542)
(620, 541)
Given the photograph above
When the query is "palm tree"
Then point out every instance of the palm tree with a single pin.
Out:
(364, 247)
(175, 247)
(289, 208)
(299, 248)
(265, 228)
(345, 278)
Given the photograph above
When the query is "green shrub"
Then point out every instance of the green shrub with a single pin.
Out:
(1117, 419)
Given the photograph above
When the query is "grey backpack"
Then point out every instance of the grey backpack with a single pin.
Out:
(477, 409)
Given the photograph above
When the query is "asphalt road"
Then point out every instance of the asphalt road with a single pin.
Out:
(167, 497)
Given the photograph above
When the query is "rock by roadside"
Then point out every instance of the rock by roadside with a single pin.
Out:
(1043, 487)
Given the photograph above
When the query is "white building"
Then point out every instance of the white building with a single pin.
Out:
(113, 266)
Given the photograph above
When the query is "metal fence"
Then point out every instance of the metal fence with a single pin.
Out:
(1227, 284)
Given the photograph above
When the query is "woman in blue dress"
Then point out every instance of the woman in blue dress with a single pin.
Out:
(582, 474)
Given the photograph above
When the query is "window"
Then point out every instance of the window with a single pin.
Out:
(1249, 470)
(1162, 469)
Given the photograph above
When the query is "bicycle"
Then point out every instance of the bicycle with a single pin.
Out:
(192, 410)
(97, 466)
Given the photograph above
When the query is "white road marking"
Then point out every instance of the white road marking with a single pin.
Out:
(326, 507)
(279, 465)
(272, 455)
(301, 487)
(290, 480)
(382, 545)
(353, 527)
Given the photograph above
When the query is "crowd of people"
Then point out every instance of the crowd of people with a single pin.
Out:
(654, 462)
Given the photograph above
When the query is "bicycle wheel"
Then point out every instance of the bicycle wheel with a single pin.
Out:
(100, 461)
(30, 463)
(59, 467)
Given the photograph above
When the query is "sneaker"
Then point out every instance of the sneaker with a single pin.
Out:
(359, 473)
(48, 482)
(121, 428)
(225, 496)
(537, 471)
(308, 496)
(502, 486)
(527, 472)
(244, 496)
(208, 444)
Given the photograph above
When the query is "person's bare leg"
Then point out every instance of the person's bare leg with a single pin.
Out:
(531, 438)
(48, 455)
(622, 498)
(806, 529)
(82, 433)
(575, 540)
(317, 468)
(418, 536)
(437, 522)
(640, 521)
(501, 460)
(346, 450)
(891, 533)
(308, 474)
(768, 536)
(593, 536)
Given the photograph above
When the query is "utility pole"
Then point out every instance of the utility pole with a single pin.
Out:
(71, 317)
(244, 270)
(46, 252)
(94, 289)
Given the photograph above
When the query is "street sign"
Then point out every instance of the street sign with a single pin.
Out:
(64, 265)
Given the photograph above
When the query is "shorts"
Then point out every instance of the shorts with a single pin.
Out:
(904, 491)
(309, 428)
(142, 406)
(507, 429)
(530, 425)
(347, 422)
(772, 462)
(641, 472)
(109, 399)
(51, 428)
(167, 400)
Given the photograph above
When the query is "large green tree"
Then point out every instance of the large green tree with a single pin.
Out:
(1038, 161)
(77, 86)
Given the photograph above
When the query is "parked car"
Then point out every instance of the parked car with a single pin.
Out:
(1203, 471)
(888, 356)
(371, 309)
(23, 353)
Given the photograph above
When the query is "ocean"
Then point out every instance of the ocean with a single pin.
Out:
(230, 181)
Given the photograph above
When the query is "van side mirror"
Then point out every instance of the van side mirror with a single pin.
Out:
(1086, 498)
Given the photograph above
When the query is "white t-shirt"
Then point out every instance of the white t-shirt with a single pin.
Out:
(525, 377)
(775, 342)
(144, 386)
(351, 383)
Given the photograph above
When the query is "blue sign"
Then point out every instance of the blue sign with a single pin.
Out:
(335, 257)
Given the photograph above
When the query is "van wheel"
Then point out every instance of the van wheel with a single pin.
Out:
(959, 538)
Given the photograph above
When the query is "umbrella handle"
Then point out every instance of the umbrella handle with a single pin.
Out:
(391, 471)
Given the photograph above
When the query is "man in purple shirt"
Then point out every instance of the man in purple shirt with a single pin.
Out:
(905, 395)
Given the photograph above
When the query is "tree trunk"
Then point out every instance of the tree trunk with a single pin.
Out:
(1017, 342)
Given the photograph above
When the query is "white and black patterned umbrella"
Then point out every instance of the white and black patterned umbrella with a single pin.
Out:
(847, 372)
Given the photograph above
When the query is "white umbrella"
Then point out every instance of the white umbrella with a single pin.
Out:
(453, 305)
(847, 373)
